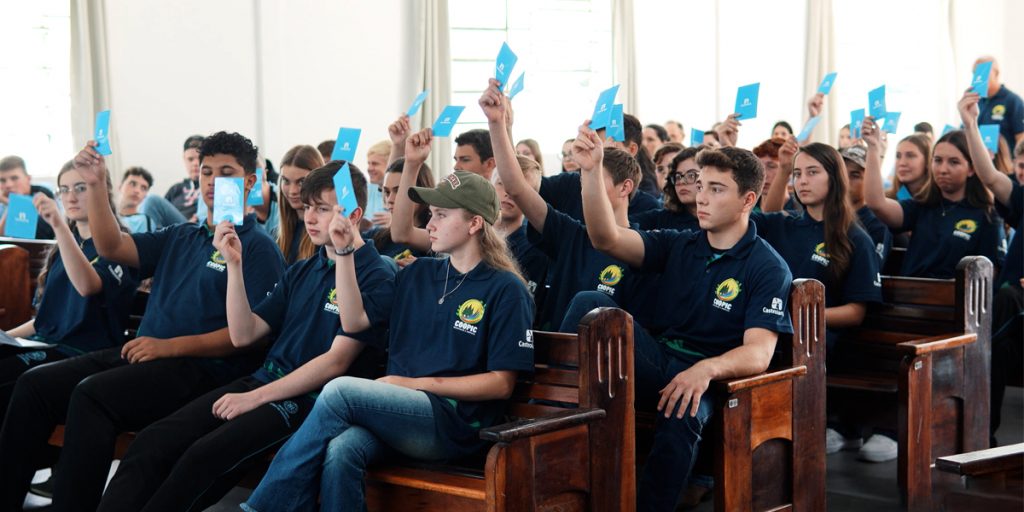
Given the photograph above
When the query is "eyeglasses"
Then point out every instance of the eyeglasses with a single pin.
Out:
(78, 189)
(686, 179)
(565, 155)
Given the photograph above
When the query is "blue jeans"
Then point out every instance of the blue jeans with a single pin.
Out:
(675, 440)
(354, 422)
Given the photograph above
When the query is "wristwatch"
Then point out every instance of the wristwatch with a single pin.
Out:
(346, 251)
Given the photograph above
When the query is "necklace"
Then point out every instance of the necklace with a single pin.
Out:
(446, 293)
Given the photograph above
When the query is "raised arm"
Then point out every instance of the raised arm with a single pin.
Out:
(497, 108)
(80, 271)
(350, 298)
(403, 229)
(244, 326)
(729, 130)
(997, 182)
(775, 199)
(398, 132)
(110, 242)
(887, 210)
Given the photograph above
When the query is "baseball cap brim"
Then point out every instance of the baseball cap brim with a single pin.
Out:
(432, 197)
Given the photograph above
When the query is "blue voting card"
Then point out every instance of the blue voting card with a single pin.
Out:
(504, 64)
(979, 82)
(102, 135)
(856, 119)
(344, 190)
(615, 129)
(517, 86)
(696, 137)
(892, 122)
(946, 129)
(990, 136)
(603, 108)
(346, 143)
(445, 122)
(808, 128)
(228, 200)
(876, 103)
(827, 82)
(22, 217)
(256, 194)
(416, 103)
(746, 101)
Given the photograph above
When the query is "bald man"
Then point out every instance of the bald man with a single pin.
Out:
(1002, 107)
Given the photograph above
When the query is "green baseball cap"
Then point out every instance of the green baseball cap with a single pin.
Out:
(461, 189)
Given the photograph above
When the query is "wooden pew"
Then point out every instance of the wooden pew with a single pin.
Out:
(991, 480)
(15, 294)
(768, 435)
(929, 345)
(38, 250)
(557, 456)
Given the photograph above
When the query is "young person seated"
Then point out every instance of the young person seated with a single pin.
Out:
(459, 335)
(473, 153)
(191, 458)
(83, 299)
(184, 195)
(292, 239)
(781, 130)
(679, 195)
(654, 136)
(14, 179)
(913, 167)
(140, 211)
(663, 161)
(854, 156)
(768, 153)
(531, 149)
(575, 265)
(721, 303)
(377, 158)
(950, 219)
(568, 164)
(182, 351)
(403, 253)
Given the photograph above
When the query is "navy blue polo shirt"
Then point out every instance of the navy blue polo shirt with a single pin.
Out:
(532, 261)
(1006, 109)
(665, 219)
(483, 325)
(1014, 215)
(576, 266)
(303, 313)
(880, 235)
(709, 298)
(82, 324)
(190, 277)
(564, 191)
(945, 233)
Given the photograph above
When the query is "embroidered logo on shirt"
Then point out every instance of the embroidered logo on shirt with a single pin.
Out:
(331, 306)
(470, 313)
(878, 280)
(116, 271)
(217, 261)
(776, 308)
(725, 292)
(998, 112)
(820, 256)
(529, 340)
(964, 228)
(609, 277)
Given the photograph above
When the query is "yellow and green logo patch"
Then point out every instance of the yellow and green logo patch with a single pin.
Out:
(820, 250)
(217, 258)
(471, 311)
(611, 275)
(728, 290)
(966, 226)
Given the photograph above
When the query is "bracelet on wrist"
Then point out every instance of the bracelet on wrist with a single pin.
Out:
(345, 251)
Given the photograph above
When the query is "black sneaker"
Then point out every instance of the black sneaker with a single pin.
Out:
(44, 488)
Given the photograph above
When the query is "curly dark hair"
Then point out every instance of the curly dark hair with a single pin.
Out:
(234, 144)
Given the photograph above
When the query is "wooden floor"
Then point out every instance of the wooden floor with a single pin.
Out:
(852, 485)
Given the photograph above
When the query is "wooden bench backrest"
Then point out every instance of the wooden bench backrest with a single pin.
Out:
(15, 293)
(38, 250)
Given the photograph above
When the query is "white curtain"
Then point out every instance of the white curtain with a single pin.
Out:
(90, 74)
(432, 68)
(821, 60)
(624, 54)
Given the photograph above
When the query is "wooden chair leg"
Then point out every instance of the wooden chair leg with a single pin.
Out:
(732, 469)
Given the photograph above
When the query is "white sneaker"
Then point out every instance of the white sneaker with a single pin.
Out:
(879, 448)
(835, 442)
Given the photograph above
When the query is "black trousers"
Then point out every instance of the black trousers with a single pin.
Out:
(191, 459)
(15, 361)
(1007, 345)
(96, 396)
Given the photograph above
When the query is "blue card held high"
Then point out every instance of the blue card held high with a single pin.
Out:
(256, 194)
(990, 136)
(808, 128)
(344, 190)
(517, 86)
(827, 82)
(892, 122)
(416, 103)
(504, 64)
(21, 217)
(876, 103)
(102, 135)
(616, 130)
(445, 122)
(696, 137)
(746, 101)
(346, 143)
(979, 82)
(228, 200)
(603, 108)
(856, 119)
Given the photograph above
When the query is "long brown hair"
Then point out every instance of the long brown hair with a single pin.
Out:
(494, 251)
(975, 192)
(308, 158)
(837, 212)
(924, 145)
(424, 179)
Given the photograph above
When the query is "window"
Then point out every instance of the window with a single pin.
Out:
(564, 47)
(35, 94)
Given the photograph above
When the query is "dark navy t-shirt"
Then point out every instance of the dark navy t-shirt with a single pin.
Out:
(945, 233)
(82, 324)
(665, 219)
(564, 191)
(880, 235)
(532, 262)
(483, 325)
(303, 312)
(1013, 270)
(1006, 109)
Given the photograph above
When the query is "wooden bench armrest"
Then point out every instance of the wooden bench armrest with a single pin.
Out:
(520, 429)
(937, 343)
(761, 379)
(982, 462)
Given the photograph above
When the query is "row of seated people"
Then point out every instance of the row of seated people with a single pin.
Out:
(187, 385)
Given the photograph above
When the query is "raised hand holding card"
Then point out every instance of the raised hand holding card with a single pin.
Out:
(22, 217)
(979, 82)
(504, 64)
(616, 130)
(856, 119)
(416, 103)
(603, 109)
(876, 103)
(343, 189)
(445, 122)
(892, 122)
(746, 101)
(228, 200)
(346, 143)
(827, 82)
(102, 135)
